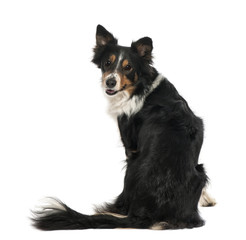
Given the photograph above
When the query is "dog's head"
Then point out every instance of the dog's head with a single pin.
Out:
(122, 67)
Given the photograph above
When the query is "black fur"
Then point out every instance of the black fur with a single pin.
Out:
(163, 180)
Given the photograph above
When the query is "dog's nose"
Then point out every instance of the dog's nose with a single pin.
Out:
(111, 83)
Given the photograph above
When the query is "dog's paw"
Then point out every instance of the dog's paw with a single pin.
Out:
(206, 200)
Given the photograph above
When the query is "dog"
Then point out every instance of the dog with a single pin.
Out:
(162, 138)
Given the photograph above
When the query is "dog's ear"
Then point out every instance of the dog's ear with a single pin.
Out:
(103, 37)
(143, 47)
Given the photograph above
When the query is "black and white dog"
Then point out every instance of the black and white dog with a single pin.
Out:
(162, 139)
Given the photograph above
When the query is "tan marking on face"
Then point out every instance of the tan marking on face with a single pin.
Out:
(130, 90)
(125, 63)
(112, 58)
(126, 84)
(124, 81)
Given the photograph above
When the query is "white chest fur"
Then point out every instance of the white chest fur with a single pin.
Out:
(121, 103)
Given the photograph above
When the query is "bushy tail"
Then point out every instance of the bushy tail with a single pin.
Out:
(57, 216)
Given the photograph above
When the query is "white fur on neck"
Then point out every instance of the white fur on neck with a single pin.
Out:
(121, 103)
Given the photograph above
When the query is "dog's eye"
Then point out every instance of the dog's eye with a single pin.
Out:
(107, 63)
(127, 67)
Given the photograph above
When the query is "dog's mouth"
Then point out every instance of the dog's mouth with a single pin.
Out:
(111, 92)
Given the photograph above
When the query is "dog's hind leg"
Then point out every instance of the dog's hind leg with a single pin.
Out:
(206, 200)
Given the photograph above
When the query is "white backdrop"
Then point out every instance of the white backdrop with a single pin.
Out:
(56, 138)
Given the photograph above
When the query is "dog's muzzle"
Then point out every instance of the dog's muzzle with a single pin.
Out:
(110, 85)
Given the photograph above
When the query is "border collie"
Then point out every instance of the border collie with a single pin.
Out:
(162, 139)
